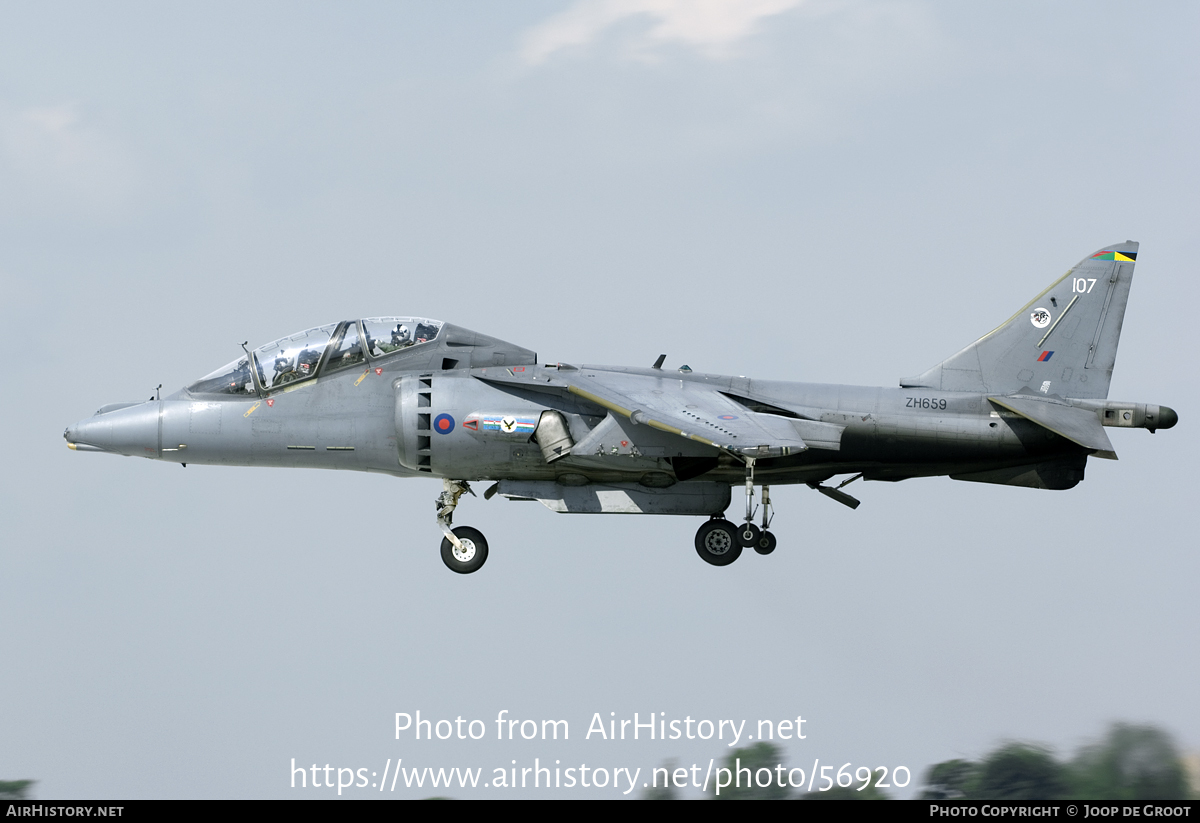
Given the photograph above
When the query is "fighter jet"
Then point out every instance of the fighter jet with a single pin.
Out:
(1024, 405)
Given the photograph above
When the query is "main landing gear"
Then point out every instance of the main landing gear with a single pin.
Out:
(717, 542)
(720, 542)
(464, 549)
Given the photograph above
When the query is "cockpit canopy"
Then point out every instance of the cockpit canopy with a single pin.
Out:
(323, 350)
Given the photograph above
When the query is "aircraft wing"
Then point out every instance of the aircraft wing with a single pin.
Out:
(684, 408)
(1078, 425)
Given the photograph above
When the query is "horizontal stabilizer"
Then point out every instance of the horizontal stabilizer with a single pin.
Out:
(1075, 424)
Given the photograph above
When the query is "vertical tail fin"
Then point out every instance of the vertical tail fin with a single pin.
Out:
(1063, 342)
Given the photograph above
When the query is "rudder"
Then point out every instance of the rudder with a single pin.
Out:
(1063, 342)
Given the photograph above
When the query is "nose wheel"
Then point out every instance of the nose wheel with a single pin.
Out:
(464, 549)
(469, 555)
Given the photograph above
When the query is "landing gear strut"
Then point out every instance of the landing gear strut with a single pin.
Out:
(765, 543)
(748, 532)
(464, 549)
(750, 535)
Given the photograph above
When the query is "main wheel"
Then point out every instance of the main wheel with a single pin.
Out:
(748, 535)
(472, 555)
(717, 543)
(765, 543)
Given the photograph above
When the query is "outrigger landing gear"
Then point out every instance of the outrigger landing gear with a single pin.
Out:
(750, 535)
(464, 549)
(765, 544)
(748, 532)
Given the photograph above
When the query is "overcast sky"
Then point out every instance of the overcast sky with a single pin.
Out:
(813, 191)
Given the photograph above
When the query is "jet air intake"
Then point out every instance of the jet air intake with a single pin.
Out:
(553, 436)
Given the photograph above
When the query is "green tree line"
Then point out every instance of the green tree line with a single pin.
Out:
(1130, 762)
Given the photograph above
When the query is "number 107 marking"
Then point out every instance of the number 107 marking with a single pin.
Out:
(1083, 285)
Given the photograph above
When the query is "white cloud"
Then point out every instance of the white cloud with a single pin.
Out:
(53, 160)
(711, 27)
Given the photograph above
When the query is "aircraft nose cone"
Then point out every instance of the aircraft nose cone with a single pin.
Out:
(1167, 417)
(131, 430)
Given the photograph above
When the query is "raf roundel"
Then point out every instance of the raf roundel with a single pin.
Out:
(443, 424)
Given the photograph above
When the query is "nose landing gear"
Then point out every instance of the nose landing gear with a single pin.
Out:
(469, 555)
(464, 549)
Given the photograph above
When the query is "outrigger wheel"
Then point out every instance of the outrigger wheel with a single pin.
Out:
(471, 556)
(748, 535)
(765, 543)
(717, 542)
